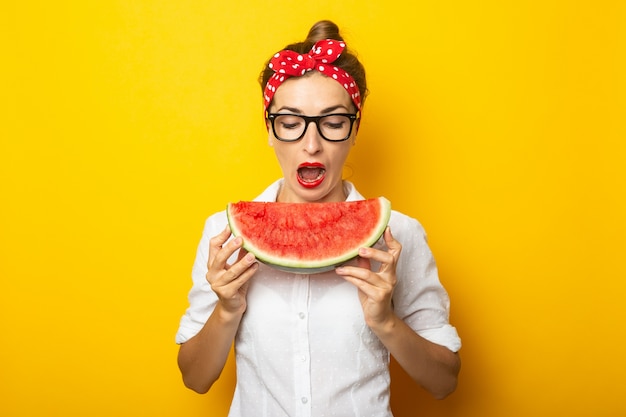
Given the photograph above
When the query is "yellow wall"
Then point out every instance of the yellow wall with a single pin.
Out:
(125, 123)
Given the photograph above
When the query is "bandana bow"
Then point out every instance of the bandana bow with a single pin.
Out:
(287, 63)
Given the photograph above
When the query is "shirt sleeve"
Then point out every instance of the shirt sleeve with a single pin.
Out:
(201, 297)
(419, 298)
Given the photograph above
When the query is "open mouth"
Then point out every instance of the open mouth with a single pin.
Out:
(311, 174)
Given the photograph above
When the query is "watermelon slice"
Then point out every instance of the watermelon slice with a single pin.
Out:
(308, 237)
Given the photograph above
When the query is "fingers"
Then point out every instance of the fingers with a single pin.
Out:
(244, 267)
(220, 274)
(216, 242)
(219, 253)
(373, 286)
(227, 281)
(364, 263)
(376, 255)
(394, 246)
(387, 259)
(360, 271)
(241, 254)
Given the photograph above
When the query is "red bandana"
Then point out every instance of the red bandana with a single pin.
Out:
(287, 63)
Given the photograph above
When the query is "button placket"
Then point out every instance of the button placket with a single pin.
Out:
(302, 351)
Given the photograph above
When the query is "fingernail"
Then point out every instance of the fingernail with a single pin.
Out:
(249, 257)
(237, 240)
(362, 251)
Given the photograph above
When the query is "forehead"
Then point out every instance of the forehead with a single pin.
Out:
(311, 94)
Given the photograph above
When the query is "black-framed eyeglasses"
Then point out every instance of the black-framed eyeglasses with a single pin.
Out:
(335, 127)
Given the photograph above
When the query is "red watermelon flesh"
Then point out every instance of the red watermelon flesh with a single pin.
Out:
(308, 237)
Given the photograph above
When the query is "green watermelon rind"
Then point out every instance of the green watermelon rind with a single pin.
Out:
(322, 265)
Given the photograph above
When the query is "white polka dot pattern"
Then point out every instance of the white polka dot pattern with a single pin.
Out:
(287, 63)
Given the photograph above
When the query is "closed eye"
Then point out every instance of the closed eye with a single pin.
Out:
(290, 122)
(335, 122)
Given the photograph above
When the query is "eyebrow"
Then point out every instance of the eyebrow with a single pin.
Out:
(324, 111)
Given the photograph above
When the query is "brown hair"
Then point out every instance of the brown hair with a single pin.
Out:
(325, 29)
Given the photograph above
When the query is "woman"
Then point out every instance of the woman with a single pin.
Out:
(317, 345)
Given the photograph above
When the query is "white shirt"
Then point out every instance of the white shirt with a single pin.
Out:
(303, 348)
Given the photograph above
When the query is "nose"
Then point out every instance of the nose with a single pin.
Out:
(312, 140)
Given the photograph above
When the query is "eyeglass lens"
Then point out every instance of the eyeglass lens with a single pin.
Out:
(335, 127)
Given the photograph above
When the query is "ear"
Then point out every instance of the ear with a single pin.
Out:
(269, 133)
(357, 125)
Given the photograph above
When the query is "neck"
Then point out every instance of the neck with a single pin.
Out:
(337, 194)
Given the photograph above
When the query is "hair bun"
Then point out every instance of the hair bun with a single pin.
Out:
(324, 29)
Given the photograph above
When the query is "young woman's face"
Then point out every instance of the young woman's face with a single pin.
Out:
(312, 166)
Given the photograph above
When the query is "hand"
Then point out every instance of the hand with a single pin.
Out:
(230, 282)
(375, 288)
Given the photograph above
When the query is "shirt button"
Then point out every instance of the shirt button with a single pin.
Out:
(303, 358)
(304, 400)
(301, 315)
